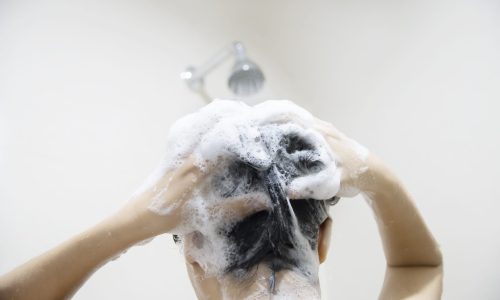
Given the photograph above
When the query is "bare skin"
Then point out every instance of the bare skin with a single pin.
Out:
(58, 273)
(414, 262)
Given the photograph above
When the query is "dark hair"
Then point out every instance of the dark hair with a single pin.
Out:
(271, 236)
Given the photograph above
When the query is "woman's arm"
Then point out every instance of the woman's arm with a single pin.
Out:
(414, 261)
(58, 273)
(406, 239)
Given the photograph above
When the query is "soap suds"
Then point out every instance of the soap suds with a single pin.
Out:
(238, 144)
(227, 129)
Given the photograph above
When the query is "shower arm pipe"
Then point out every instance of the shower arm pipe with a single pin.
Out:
(202, 92)
(194, 76)
(236, 48)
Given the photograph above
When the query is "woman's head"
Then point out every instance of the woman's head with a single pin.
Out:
(242, 226)
(267, 258)
(280, 236)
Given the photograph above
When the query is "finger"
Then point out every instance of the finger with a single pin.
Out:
(239, 208)
(347, 191)
(328, 129)
(293, 194)
(188, 165)
(298, 194)
(192, 167)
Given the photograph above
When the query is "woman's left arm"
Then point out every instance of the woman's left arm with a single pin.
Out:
(414, 260)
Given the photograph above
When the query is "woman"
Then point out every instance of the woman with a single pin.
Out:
(414, 262)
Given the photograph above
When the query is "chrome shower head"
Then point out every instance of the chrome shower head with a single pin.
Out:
(246, 78)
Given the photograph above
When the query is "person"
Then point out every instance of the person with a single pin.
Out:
(414, 261)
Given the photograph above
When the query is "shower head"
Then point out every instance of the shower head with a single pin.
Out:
(246, 77)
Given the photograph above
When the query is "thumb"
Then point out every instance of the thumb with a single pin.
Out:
(320, 186)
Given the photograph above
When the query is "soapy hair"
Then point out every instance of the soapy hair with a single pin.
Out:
(256, 155)
(285, 234)
(270, 236)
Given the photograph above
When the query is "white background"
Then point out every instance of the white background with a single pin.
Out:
(88, 90)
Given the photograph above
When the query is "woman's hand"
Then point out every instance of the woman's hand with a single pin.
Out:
(163, 204)
(353, 159)
(160, 206)
(414, 261)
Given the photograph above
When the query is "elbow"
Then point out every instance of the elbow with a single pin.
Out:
(419, 258)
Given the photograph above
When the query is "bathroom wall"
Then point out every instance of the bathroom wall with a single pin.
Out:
(417, 82)
(88, 90)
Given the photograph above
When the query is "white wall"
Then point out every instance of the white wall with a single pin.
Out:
(418, 83)
(89, 89)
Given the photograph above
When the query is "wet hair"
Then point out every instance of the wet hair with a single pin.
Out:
(270, 236)
(287, 230)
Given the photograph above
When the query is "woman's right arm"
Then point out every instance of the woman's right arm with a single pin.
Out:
(60, 272)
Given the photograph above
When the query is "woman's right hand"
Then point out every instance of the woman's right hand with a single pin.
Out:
(160, 206)
(163, 204)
